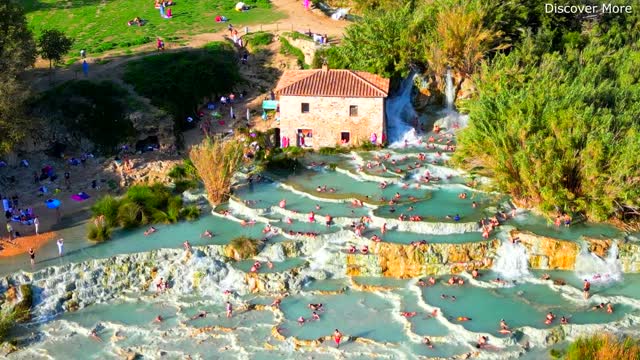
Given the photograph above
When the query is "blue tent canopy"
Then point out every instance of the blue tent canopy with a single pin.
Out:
(270, 104)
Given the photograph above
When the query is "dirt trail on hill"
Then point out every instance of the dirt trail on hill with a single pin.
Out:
(107, 66)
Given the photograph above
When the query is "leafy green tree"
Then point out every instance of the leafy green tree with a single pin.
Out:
(53, 45)
(380, 43)
(17, 52)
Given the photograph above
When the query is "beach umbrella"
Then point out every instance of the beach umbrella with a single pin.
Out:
(52, 203)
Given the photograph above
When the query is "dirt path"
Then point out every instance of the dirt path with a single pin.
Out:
(107, 66)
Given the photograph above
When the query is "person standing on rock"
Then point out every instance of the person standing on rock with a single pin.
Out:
(60, 244)
(10, 231)
(337, 337)
(32, 255)
(229, 309)
(585, 289)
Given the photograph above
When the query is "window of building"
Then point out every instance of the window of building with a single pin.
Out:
(304, 108)
(345, 136)
(353, 110)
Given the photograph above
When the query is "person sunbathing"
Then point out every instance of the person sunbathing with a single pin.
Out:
(136, 21)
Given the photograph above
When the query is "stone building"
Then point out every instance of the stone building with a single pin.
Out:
(324, 107)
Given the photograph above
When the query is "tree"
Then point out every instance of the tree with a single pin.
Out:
(54, 45)
(17, 52)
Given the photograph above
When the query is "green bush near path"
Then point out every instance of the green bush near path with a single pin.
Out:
(100, 26)
(177, 82)
(141, 205)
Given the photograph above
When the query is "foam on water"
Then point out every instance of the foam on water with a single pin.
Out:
(512, 261)
(399, 111)
(596, 269)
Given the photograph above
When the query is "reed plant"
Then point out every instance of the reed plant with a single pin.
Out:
(217, 162)
(604, 347)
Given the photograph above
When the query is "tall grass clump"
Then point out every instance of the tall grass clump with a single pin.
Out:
(242, 247)
(216, 162)
(603, 347)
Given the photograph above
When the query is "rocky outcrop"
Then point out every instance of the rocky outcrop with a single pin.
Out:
(74, 286)
(629, 256)
(153, 123)
(548, 253)
(275, 283)
(408, 261)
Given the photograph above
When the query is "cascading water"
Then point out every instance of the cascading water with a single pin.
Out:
(596, 269)
(450, 92)
(512, 261)
(399, 111)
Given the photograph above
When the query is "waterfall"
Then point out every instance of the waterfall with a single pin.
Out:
(450, 91)
(399, 111)
(512, 261)
(596, 269)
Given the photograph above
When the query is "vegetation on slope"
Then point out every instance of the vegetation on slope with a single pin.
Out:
(560, 130)
(177, 82)
(17, 53)
(89, 110)
(602, 347)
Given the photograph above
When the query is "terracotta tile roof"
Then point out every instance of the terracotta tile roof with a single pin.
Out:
(339, 83)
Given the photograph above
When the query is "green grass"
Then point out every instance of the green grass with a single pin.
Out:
(258, 39)
(287, 49)
(101, 27)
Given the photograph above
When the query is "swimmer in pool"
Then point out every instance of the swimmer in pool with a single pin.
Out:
(207, 233)
(610, 308)
(94, 335)
(201, 315)
(549, 318)
(427, 342)
(158, 319)
(564, 320)
(315, 316)
(504, 328)
(409, 314)
(150, 231)
(315, 307)
(301, 320)
(463, 318)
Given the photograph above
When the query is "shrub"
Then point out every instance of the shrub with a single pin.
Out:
(107, 206)
(333, 150)
(99, 229)
(258, 39)
(242, 247)
(190, 213)
(130, 215)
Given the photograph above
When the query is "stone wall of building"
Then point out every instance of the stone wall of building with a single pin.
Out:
(329, 116)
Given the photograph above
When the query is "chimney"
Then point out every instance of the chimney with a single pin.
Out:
(325, 66)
